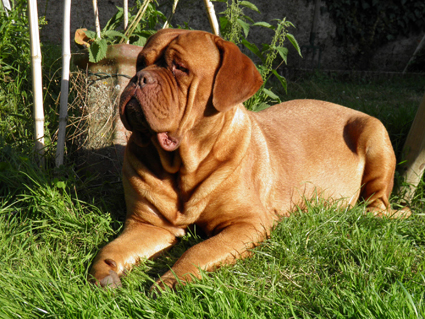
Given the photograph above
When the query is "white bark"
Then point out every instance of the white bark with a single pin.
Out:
(96, 18)
(414, 150)
(6, 6)
(125, 8)
(37, 80)
(167, 23)
(66, 57)
(212, 17)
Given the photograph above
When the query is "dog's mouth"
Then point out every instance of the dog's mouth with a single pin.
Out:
(167, 142)
(137, 120)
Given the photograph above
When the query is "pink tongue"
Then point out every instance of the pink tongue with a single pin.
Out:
(168, 143)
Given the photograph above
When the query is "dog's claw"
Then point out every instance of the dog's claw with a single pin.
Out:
(111, 281)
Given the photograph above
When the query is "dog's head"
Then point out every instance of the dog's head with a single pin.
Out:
(182, 76)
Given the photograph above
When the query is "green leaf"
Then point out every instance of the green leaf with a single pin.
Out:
(294, 42)
(283, 52)
(264, 24)
(90, 34)
(271, 94)
(111, 34)
(281, 79)
(115, 21)
(248, 18)
(97, 51)
(59, 184)
(245, 27)
(223, 22)
(253, 48)
(261, 107)
(141, 41)
(249, 5)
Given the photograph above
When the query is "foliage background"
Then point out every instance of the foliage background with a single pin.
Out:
(392, 56)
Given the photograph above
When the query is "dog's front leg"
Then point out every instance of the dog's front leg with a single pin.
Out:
(229, 244)
(137, 241)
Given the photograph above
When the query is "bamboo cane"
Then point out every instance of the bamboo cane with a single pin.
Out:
(414, 150)
(37, 81)
(212, 17)
(125, 8)
(419, 48)
(136, 20)
(167, 23)
(96, 18)
(6, 6)
(66, 57)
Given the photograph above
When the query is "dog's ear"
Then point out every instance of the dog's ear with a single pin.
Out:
(237, 78)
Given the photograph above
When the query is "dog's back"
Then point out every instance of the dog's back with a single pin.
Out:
(330, 148)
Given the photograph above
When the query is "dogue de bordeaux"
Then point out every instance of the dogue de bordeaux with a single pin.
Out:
(197, 156)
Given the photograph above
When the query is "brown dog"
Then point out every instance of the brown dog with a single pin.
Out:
(197, 156)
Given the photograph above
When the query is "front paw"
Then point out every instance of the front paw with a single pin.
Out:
(165, 283)
(104, 273)
(111, 281)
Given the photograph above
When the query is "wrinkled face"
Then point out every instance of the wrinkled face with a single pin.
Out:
(172, 86)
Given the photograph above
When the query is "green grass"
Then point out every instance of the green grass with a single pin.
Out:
(326, 263)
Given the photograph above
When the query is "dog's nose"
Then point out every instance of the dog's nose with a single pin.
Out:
(144, 78)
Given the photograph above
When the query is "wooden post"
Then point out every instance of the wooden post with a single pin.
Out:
(6, 6)
(136, 20)
(125, 9)
(414, 150)
(212, 17)
(96, 18)
(66, 57)
(173, 10)
(419, 48)
(37, 81)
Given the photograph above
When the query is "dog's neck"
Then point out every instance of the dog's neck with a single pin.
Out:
(206, 140)
(213, 149)
(209, 155)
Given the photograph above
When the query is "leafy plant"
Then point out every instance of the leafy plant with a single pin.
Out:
(16, 124)
(235, 27)
(141, 27)
(14, 52)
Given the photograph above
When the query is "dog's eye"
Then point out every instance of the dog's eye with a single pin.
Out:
(178, 68)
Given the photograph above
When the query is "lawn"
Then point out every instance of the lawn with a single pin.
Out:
(322, 262)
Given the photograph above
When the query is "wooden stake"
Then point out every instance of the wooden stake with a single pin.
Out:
(414, 150)
(167, 23)
(125, 8)
(136, 20)
(66, 57)
(6, 6)
(96, 18)
(419, 48)
(212, 17)
(37, 81)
